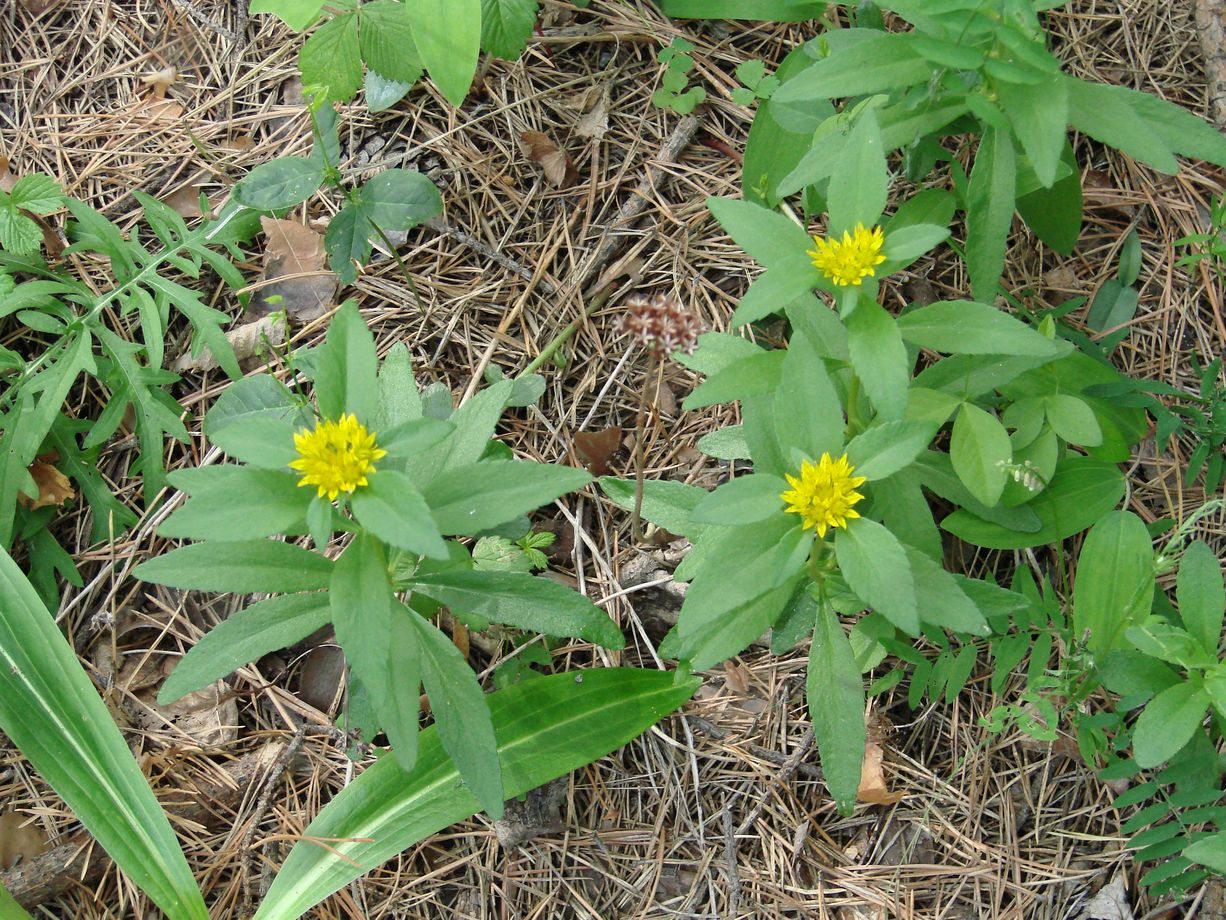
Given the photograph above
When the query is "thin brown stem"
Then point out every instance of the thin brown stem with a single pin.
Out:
(654, 370)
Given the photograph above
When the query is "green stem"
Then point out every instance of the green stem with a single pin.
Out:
(400, 264)
(854, 423)
(599, 299)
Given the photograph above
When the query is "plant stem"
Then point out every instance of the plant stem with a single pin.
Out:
(599, 299)
(854, 423)
(400, 264)
(654, 369)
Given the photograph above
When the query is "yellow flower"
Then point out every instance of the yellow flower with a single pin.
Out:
(337, 456)
(824, 494)
(849, 260)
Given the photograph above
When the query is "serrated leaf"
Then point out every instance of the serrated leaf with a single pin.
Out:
(506, 26)
(385, 37)
(330, 60)
(37, 193)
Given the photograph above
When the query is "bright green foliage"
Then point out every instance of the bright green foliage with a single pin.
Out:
(432, 478)
(393, 41)
(544, 727)
(126, 361)
(36, 193)
(673, 92)
(51, 711)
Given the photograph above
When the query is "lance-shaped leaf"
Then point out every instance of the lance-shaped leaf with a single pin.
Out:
(52, 712)
(545, 728)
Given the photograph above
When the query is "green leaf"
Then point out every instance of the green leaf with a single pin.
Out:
(19, 235)
(967, 327)
(884, 449)
(248, 504)
(506, 26)
(37, 193)
(879, 358)
(734, 629)
(1081, 492)
(330, 59)
(1039, 114)
(1209, 851)
(281, 183)
(881, 63)
(836, 705)
(859, 195)
(1158, 638)
(345, 365)
(392, 509)
(979, 448)
(240, 567)
(766, 235)
(386, 41)
(1054, 214)
(469, 499)
(377, 634)
(523, 601)
(989, 212)
(666, 503)
(1167, 723)
(400, 199)
(545, 727)
(808, 414)
(1182, 131)
(382, 93)
(474, 423)
(791, 277)
(10, 909)
(743, 378)
(727, 443)
(1202, 599)
(246, 636)
(1072, 419)
(1115, 580)
(462, 716)
(52, 713)
(876, 568)
(448, 38)
(906, 244)
(399, 400)
(1108, 114)
(940, 597)
(297, 14)
(743, 500)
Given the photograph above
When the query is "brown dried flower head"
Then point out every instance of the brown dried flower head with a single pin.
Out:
(660, 325)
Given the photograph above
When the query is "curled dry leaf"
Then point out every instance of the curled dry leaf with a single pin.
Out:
(597, 448)
(208, 716)
(559, 168)
(296, 279)
(250, 340)
(20, 841)
(7, 179)
(1109, 904)
(595, 124)
(872, 789)
(53, 486)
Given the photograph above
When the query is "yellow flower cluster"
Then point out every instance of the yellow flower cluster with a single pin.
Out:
(336, 456)
(849, 260)
(824, 494)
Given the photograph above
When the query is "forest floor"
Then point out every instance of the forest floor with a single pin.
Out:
(718, 812)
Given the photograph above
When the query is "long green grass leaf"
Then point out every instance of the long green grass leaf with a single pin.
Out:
(545, 728)
(54, 715)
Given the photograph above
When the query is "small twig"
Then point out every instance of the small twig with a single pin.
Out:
(511, 265)
(734, 877)
(712, 731)
(271, 779)
(204, 20)
(785, 773)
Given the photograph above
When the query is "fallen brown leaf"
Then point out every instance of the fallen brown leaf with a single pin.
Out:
(873, 789)
(595, 124)
(559, 168)
(37, 7)
(295, 264)
(19, 841)
(248, 341)
(53, 487)
(597, 448)
(7, 179)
